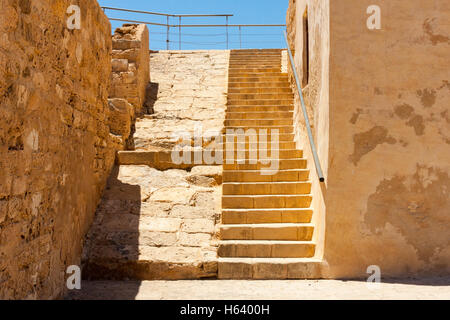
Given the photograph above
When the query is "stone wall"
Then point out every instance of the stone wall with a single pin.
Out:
(130, 78)
(385, 148)
(55, 147)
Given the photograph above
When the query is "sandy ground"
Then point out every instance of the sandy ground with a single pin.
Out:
(424, 289)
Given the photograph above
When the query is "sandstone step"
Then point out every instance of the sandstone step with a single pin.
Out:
(109, 262)
(254, 216)
(259, 108)
(266, 63)
(270, 129)
(269, 268)
(244, 69)
(246, 154)
(255, 56)
(161, 160)
(282, 137)
(260, 115)
(267, 84)
(272, 64)
(266, 188)
(255, 74)
(261, 78)
(265, 201)
(259, 90)
(258, 122)
(261, 96)
(256, 176)
(260, 102)
(282, 164)
(275, 50)
(268, 231)
(266, 249)
(251, 147)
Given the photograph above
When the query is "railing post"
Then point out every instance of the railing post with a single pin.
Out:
(240, 38)
(179, 33)
(227, 31)
(168, 31)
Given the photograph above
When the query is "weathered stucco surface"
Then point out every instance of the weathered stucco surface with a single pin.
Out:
(387, 169)
(388, 201)
(55, 144)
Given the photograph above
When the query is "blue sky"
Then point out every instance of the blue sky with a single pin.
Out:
(244, 11)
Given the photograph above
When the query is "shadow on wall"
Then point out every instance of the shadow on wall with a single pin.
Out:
(114, 237)
(151, 97)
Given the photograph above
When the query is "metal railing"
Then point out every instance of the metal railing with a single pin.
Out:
(305, 114)
(179, 26)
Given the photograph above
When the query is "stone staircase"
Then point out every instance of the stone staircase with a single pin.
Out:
(266, 230)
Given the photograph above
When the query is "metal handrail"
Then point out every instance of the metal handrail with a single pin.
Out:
(305, 114)
(179, 26)
(168, 15)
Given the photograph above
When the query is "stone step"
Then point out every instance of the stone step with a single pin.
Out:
(245, 57)
(282, 145)
(265, 201)
(254, 216)
(282, 137)
(125, 262)
(269, 268)
(243, 108)
(256, 176)
(259, 90)
(260, 115)
(270, 129)
(244, 69)
(281, 164)
(260, 102)
(267, 84)
(262, 78)
(266, 63)
(258, 122)
(261, 96)
(266, 188)
(255, 74)
(266, 249)
(162, 160)
(268, 231)
(259, 154)
(278, 51)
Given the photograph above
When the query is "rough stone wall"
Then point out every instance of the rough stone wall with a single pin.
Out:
(189, 91)
(55, 148)
(129, 79)
(131, 65)
(387, 158)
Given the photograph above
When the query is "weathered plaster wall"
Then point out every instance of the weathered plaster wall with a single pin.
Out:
(388, 198)
(316, 95)
(383, 135)
(55, 147)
